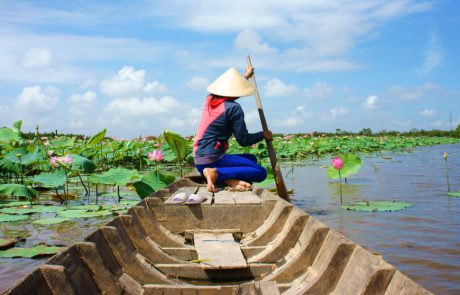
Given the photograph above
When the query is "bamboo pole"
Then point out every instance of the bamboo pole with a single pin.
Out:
(280, 186)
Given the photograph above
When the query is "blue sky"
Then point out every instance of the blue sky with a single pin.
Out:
(139, 67)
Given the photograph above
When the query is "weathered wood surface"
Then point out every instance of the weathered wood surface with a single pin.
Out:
(230, 198)
(219, 251)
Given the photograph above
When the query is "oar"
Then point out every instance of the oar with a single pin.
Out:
(280, 186)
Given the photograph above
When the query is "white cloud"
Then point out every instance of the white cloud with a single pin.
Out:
(433, 55)
(314, 35)
(276, 87)
(250, 40)
(197, 83)
(34, 99)
(319, 90)
(289, 122)
(428, 112)
(407, 93)
(36, 58)
(84, 100)
(371, 103)
(335, 112)
(141, 107)
(251, 117)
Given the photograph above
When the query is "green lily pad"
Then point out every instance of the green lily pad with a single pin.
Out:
(51, 220)
(51, 180)
(83, 213)
(152, 182)
(4, 204)
(31, 210)
(373, 206)
(18, 190)
(454, 194)
(8, 217)
(35, 251)
(92, 208)
(115, 176)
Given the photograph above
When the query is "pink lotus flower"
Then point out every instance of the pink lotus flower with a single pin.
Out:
(46, 143)
(44, 138)
(306, 135)
(156, 155)
(254, 145)
(337, 163)
(158, 145)
(67, 159)
(53, 161)
(288, 136)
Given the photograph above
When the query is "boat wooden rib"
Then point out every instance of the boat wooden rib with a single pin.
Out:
(234, 243)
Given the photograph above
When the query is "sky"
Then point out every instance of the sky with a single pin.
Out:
(141, 67)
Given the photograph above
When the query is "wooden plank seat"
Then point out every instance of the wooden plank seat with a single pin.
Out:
(219, 251)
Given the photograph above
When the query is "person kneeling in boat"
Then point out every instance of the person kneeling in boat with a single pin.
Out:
(221, 117)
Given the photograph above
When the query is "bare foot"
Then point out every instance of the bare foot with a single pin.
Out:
(211, 177)
(238, 185)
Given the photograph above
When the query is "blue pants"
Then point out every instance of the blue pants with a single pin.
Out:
(242, 167)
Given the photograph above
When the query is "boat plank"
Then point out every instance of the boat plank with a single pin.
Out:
(246, 198)
(219, 251)
(224, 198)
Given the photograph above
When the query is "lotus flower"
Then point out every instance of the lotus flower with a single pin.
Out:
(46, 143)
(254, 145)
(54, 160)
(156, 155)
(445, 155)
(158, 145)
(337, 163)
(67, 159)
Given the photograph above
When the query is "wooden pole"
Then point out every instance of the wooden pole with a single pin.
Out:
(280, 186)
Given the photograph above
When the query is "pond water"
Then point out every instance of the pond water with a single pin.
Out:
(422, 241)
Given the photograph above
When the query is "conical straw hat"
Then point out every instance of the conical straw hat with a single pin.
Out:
(231, 84)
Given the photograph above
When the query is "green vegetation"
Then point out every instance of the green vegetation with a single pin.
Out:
(374, 206)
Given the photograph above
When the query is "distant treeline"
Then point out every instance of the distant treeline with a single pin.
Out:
(338, 132)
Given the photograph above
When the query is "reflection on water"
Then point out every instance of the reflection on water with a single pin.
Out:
(423, 241)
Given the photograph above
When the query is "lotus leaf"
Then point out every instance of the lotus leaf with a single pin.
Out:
(454, 194)
(8, 217)
(31, 210)
(51, 180)
(372, 206)
(9, 166)
(88, 207)
(51, 220)
(63, 141)
(83, 163)
(35, 251)
(115, 176)
(13, 203)
(351, 165)
(98, 137)
(83, 213)
(13, 155)
(18, 190)
(178, 144)
(17, 126)
(8, 135)
(152, 182)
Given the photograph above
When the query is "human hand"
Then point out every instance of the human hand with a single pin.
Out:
(268, 135)
(249, 72)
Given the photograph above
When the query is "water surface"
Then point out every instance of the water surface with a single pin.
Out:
(422, 241)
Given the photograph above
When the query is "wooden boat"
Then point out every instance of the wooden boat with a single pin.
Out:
(233, 243)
